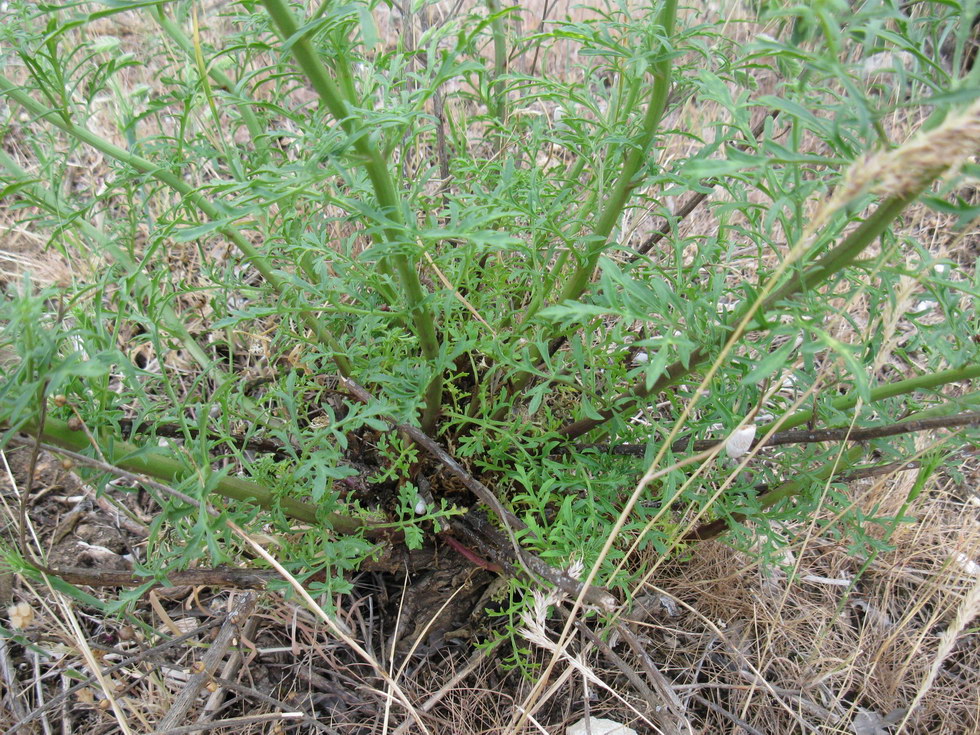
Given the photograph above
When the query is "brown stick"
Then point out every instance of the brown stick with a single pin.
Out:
(418, 559)
(532, 564)
(209, 664)
(802, 436)
(666, 690)
(240, 578)
(174, 431)
(142, 656)
(725, 713)
(229, 672)
(693, 201)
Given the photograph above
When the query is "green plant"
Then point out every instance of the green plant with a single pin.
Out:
(429, 265)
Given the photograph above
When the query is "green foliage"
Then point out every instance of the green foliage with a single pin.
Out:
(284, 197)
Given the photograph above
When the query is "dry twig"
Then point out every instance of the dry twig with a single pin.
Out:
(663, 708)
(801, 436)
(226, 638)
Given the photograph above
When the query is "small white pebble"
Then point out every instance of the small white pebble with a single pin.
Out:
(967, 564)
(599, 726)
(740, 441)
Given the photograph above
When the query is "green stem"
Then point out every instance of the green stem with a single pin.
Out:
(634, 160)
(616, 202)
(838, 466)
(955, 405)
(384, 189)
(845, 253)
(888, 390)
(136, 459)
(499, 60)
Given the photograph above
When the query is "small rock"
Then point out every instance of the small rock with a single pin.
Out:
(599, 726)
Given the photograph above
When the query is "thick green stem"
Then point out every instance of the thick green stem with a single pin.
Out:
(634, 160)
(616, 201)
(888, 390)
(384, 189)
(845, 253)
(499, 60)
(136, 459)
(838, 466)
(836, 259)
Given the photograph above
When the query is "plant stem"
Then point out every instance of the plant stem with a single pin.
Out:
(616, 202)
(499, 60)
(781, 438)
(845, 253)
(137, 459)
(888, 390)
(838, 466)
(384, 189)
(634, 160)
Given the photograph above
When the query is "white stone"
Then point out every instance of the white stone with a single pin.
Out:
(740, 441)
(599, 726)
(967, 564)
